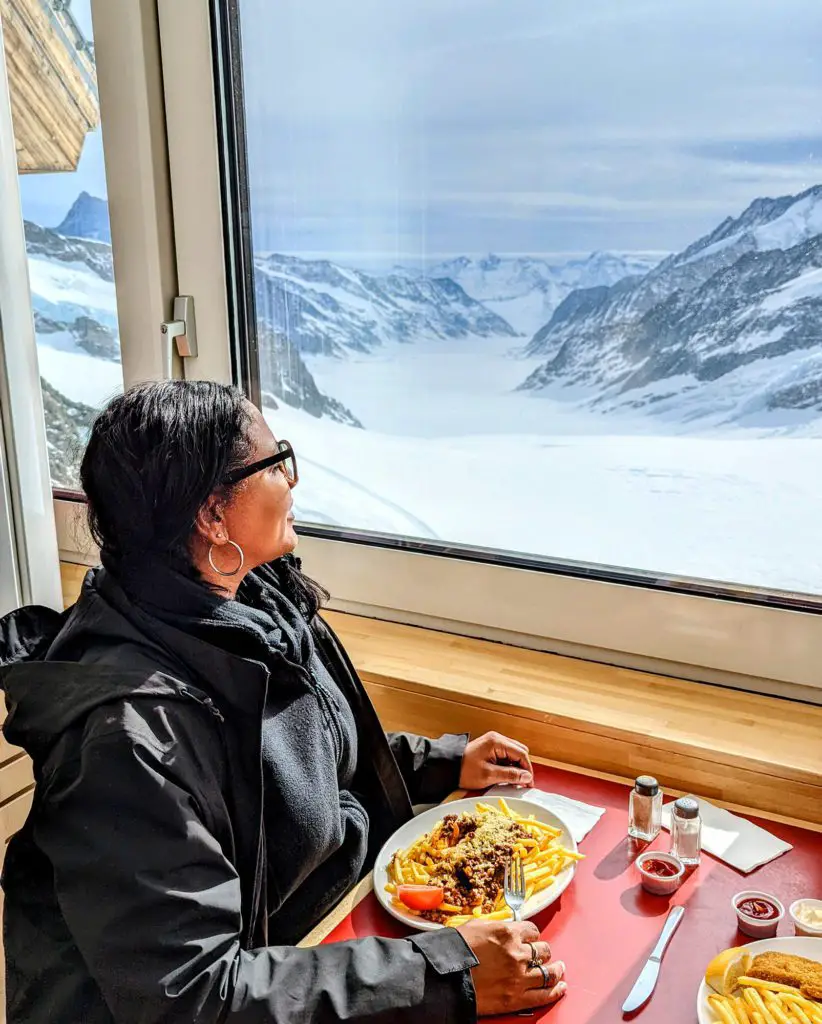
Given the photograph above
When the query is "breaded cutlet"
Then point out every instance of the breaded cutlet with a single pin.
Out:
(812, 990)
(804, 974)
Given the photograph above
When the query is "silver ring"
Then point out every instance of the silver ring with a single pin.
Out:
(546, 978)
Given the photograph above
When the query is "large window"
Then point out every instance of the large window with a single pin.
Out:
(546, 279)
(531, 288)
(55, 110)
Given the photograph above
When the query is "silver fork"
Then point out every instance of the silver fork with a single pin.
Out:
(513, 892)
(514, 886)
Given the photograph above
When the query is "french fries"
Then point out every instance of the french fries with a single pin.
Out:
(540, 851)
(724, 1008)
(769, 986)
(765, 1002)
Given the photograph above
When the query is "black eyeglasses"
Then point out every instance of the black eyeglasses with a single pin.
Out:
(285, 459)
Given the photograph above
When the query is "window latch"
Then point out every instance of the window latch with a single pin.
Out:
(182, 330)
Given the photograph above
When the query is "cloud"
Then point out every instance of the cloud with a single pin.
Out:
(793, 151)
(635, 124)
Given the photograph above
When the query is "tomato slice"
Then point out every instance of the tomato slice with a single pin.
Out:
(421, 897)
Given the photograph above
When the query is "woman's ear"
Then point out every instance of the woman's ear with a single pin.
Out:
(210, 523)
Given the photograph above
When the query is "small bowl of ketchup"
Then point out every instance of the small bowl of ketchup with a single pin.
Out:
(661, 873)
(758, 913)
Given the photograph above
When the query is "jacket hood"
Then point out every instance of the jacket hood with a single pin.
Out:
(26, 634)
(57, 668)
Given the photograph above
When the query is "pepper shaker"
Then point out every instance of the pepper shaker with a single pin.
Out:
(645, 809)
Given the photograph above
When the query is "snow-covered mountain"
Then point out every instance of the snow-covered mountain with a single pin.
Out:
(526, 290)
(54, 248)
(67, 426)
(75, 319)
(87, 218)
(285, 378)
(323, 308)
(726, 330)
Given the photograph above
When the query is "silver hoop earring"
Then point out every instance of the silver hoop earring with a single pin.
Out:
(220, 571)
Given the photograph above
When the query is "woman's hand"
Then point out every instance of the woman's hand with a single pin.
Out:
(503, 981)
(492, 760)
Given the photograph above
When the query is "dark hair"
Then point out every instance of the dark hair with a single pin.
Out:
(155, 455)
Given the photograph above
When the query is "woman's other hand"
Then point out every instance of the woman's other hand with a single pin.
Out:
(494, 760)
(503, 981)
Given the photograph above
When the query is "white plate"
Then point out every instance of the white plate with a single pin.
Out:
(412, 830)
(798, 945)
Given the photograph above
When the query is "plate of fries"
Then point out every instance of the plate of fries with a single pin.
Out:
(461, 848)
(762, 1001)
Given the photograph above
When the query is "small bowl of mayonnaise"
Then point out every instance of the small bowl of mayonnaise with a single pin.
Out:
(807, 917)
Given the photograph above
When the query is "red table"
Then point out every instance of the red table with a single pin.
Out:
(605, 924)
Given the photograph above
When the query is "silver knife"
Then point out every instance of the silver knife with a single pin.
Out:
(646, 982)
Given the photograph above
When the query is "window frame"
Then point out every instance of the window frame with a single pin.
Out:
(28, 541)
(133, 125)
(689, 629)
(10, 596)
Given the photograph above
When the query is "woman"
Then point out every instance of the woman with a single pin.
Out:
(211, 776)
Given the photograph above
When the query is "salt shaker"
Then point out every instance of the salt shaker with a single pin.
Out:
(686, 830)
(645, 809)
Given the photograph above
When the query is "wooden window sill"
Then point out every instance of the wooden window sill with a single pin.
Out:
(738, 748)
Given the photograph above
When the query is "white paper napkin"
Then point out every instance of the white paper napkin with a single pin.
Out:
(580, 818)
(735, 840)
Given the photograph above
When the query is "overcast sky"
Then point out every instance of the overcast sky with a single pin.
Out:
(404, 129)
(447, 126)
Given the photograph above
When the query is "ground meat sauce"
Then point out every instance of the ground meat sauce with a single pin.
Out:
(470, 857)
